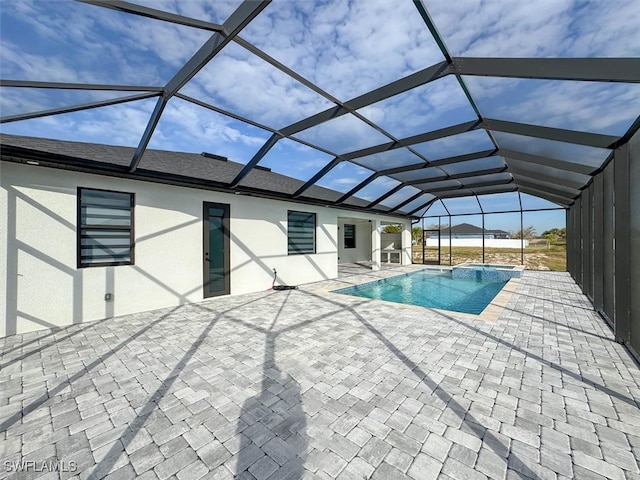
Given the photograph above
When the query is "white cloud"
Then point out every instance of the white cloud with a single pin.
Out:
(435, 105)
(347, 48)
(114, 125)
(84, 43)
(189, 128)
(468, 142)
(545, 28)
(344, 176)
(587, 106)
(244, 84)
(215, 12)
(14, 100)
(345, 181)
(18, 64)
(344, 134)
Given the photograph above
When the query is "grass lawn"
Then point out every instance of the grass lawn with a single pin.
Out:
(536, 257)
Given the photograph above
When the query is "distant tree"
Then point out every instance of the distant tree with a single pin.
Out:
(435, 226)
(392, 229)
(528, 233)
(416, 234)
(555, 234)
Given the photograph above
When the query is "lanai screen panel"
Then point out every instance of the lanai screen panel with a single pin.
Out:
(344, 176)
(417, 203)
(531, 202)
(494, 179)
(437, 209)
(402, 196)
(398, 157)
(428, 173)
(500, 202)
(125, 124)
(471, 166)
(432, 106)
(377, 188)
(216, 12)
(295, 159)
(241, 83)
(468, 142)
(462, 205)
(67, 41)
(343, 134)
(15, 101)
(567, 152)
(192, 128)
(338, 46)
(598, 107)
(562, 28)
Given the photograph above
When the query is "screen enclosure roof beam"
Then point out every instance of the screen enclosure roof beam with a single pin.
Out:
(550, 133)
(458, 176)
(553, 189)
(135, 9)
(77, 108)
(626, 70)
(547, 162)
(574, 184)
(79, 86)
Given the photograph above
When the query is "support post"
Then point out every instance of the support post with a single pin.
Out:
(577, 252)
(450, 247)
(521, 239)
(598, 242)
(376, 242)
(622, 244)
(406, 246)
(483, 260)
(587, 246)
(634, 246)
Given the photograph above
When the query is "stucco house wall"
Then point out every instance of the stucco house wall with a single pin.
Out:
(43, 288)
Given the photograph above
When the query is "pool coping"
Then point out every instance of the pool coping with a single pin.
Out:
(490, 313)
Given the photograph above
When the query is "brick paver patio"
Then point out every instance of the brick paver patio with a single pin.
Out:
(306, 384)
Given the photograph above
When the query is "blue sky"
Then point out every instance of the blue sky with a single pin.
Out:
(343, 47)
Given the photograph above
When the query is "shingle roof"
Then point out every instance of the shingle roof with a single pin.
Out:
(179, 164)
(468, 229)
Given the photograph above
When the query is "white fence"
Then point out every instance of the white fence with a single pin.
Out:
(477, 242)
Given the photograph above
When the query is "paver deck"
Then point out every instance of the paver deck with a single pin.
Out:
(301, 383)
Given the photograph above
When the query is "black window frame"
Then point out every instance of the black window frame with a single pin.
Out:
(81, 228)
(350, 237)
(315, 226)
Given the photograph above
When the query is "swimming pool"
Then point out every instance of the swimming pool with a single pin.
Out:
(431, 289)
(490, 272)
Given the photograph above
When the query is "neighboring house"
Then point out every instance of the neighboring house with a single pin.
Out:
(84, 239)
(466, 230)
(467, 235)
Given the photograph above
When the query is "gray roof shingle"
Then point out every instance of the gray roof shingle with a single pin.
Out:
(191, 165)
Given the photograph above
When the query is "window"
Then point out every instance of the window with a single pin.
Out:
(349, 236)
(105, 228)
(301, 232)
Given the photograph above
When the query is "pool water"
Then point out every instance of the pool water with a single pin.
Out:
(432, 290)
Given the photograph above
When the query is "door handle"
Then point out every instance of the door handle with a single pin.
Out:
(206, 257)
